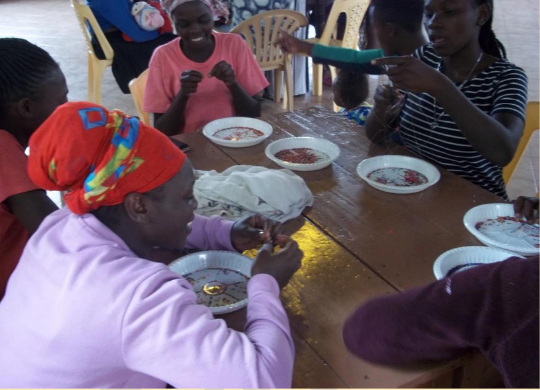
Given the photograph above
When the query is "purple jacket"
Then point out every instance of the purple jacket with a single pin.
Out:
(493, 308)
(82, 310)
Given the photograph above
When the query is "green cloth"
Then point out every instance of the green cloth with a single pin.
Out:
(350, 56)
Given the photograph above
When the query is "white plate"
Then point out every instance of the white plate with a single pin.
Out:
(460, 259)
(397, 163)
(325, 149)
(505, 235)
(219, 278)
(222, 126)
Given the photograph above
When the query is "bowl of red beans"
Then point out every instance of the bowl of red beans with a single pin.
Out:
(398, 174)
(302, 153)
(237, 132)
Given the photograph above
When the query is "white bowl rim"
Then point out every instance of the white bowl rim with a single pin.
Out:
(258, 140)
(389, 187)
(218, 310)
(437, 263)
(475, 232)
(274, 158)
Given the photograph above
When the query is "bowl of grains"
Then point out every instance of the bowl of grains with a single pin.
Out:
(496, 225)
(237, 132)
(398, 174)
(467, 257)
(218, 278)
(302, 153)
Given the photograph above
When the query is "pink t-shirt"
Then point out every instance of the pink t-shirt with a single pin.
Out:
(212, 99)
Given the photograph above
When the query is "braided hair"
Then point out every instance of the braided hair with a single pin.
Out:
(488, 41)
(24, 68)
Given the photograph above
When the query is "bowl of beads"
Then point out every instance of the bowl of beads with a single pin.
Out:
(219, 278)
(302, 153)
(461, 259)
(237, 132)
(496, 225)
(398, 174)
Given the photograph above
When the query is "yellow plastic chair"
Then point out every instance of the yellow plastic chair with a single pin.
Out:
(354, 11)
(136, 87)
(260, 33)
(531, 125)
(96, 67)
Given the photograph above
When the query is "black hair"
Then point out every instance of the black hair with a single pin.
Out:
(488, 41)
(353, 87)
(407, 14)
(24, 67)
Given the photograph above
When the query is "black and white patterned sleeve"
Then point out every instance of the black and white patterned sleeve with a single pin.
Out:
(510, 94)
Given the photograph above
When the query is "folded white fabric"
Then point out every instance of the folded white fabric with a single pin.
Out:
(243, 190)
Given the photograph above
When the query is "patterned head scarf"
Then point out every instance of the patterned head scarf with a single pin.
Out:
(99, 156)
(219, 10)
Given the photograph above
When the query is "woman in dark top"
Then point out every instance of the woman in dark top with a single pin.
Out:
(464, 103)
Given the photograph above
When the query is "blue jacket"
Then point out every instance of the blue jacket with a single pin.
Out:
(117, 13)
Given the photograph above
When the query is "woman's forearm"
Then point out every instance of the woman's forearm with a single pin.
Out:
(173, 120)
(347, 59)
(491, 138)
(244, 104)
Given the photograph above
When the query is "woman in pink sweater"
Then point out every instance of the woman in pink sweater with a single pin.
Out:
(86, 307)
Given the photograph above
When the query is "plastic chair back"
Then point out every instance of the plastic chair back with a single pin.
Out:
(86, 18)
(354, 11)
(532, 118)
(136, 87)
(261, 31)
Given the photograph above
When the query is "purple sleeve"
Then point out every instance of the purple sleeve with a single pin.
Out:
(478, 308)
(210, 233)
(168, 336)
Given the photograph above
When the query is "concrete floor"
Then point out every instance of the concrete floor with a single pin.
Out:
(52, 25)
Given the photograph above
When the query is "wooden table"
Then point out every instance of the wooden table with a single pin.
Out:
(359, 243)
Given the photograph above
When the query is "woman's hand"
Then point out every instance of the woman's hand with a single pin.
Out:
(224, 72)
(253, 231)
(387, 97)
(526, 207)
(412, 75)
(189, 81)
(292, 45)
(282, 265)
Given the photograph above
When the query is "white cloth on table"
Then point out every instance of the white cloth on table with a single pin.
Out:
(243, 190)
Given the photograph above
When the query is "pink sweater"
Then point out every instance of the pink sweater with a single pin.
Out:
(82, 310)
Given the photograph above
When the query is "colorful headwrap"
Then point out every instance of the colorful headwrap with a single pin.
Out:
(219, 10)
(99, 156)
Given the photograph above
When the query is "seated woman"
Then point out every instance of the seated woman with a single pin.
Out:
(464, 102)
(31, 87)
(86, 307)
(133, 45)
(492, 308)
(203, 75)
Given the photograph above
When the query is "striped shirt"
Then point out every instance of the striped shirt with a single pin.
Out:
(501, 88)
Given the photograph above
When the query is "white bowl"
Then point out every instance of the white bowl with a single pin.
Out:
(468, 257)
(318, 144)
(372, 164)
(225, 123)
(499, 237)
(224, 272)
